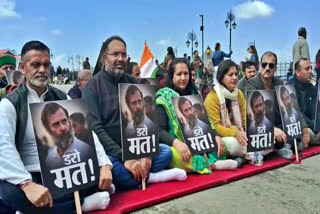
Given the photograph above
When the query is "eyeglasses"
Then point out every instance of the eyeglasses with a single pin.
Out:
(271, 65)
(118, 54)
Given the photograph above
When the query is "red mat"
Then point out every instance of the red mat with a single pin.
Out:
(309, 152)
(124, 202)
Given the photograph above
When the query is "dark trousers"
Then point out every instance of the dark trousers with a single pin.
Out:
(12, 199)
(123, 179)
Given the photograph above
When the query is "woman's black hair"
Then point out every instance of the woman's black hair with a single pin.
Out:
(217, 46)
(223, 69)
(130, 67)
(191, 88)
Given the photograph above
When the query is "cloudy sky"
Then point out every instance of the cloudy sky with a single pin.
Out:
(78, 27)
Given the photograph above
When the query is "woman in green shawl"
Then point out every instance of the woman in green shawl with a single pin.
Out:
(179, 83)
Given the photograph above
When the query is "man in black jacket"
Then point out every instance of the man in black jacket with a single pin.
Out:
(307, 95)
(101, 95)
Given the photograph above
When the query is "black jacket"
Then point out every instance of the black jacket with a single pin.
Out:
(101, 96)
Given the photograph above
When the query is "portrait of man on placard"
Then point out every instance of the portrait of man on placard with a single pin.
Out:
(260, 125)
(289, 110)
(61, 151)
(137, 103)
(194, 123)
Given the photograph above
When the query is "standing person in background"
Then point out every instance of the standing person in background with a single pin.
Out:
(86, 64)
(254, 56)
(218, 57)
(170, 55)
(317, 68)
(300, 47)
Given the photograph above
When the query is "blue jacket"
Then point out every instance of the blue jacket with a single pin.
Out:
(218, 57)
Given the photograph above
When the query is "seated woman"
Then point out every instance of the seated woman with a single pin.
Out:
(226, 108)
(179, 83)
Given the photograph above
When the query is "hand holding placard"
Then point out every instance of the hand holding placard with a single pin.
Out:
(38, 195)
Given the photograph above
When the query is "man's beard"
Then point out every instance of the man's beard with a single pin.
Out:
(138, 116)
(115, 73)
(36, 81)
(192, 120)
(64, 141)
(258, 118)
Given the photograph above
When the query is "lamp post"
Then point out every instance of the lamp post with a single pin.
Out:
(202, 32)
(230, 19)
(70, 59)
(193, 38)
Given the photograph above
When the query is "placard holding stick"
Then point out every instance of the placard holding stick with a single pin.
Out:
(290, 115)
(194, 125)
(77, 202)
(139, 129)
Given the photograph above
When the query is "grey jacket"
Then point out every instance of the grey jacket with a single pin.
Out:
(300, 49)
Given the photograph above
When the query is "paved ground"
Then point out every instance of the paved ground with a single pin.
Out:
(287, 190)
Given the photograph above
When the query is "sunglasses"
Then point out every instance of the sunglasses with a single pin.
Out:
(271, 65)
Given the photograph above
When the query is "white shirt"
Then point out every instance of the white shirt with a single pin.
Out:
(15, 166)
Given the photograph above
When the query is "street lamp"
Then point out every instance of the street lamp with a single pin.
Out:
(202, 32)
(230, 23)
(192, 38)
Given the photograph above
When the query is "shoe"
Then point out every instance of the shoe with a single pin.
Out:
(240, 161)
(285, 153)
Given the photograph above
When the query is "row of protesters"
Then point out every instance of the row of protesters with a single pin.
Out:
(83, 77)
(266, 80)
(20, 180)
(179, 83)
(102, 98)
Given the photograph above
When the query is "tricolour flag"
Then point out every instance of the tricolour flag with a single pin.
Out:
(148, 67)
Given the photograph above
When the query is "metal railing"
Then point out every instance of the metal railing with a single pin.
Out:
(283, 68)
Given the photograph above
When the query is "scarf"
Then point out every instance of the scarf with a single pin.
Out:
(222, 94)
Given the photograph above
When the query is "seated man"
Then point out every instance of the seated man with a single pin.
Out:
(265, 80)
(102, 97)
(248, 72)
(20, 179)
(307, 97)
